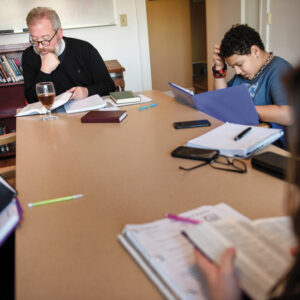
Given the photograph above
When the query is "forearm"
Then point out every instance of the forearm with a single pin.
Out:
(220, 83)
(276, 114)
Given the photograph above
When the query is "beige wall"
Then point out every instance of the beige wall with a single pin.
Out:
(220, 16)
(198, 29)
(170, 43)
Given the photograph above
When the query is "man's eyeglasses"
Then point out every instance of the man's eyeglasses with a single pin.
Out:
(44, 43)
(223, 163)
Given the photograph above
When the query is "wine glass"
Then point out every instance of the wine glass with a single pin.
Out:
(46, 94)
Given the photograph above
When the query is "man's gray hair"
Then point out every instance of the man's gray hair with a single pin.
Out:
(38, 13)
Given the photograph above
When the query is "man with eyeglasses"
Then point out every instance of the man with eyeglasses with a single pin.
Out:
(72, 65)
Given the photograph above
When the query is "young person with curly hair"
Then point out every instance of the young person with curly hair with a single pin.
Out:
(222, 280)
(243, 50)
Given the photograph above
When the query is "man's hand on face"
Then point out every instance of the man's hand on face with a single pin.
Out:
(49, 62)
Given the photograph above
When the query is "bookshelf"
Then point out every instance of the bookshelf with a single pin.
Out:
(11, 94)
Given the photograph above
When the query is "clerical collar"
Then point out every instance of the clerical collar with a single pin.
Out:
(61, 47)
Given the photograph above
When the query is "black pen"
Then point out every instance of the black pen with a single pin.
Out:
(242, 134)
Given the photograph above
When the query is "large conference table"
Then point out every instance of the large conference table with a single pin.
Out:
(70, 250)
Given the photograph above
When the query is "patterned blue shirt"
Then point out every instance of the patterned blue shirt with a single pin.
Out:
(267, 88)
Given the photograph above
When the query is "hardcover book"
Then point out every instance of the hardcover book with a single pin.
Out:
(125, 97)
(115, 116)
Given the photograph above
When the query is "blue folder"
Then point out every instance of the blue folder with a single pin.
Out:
(232, 104)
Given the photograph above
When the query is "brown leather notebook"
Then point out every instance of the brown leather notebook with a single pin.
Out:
(108, 116)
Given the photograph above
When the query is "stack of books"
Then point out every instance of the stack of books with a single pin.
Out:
(10, 210)
(10, 70)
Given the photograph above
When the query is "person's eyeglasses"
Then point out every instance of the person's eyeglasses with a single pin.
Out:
(222, 163)
(44, 43)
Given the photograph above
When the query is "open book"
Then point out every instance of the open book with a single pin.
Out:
(222, 138)
(72, 106)
(167, 257)
(262, 249)
(38, 108)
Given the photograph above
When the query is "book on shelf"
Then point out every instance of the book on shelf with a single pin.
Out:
(115, 116)
(38, 108)
(2, 75)
(125, 97)
(15, 69)
(19, 65)
(5, 71)
(10, 210)
(167, 256)
(222, 138)
(9, 69)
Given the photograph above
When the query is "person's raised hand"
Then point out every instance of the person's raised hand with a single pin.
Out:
(218, 61)
(222, 280)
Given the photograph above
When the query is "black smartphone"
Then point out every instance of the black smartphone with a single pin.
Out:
(191, 124)
(195, 153)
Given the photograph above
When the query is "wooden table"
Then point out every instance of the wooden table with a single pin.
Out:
(70, 250)
(116, 72)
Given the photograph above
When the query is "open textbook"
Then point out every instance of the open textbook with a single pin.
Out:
(262, 249)
(63, 100)
(38, 108)
(167, 257)
(222, 138)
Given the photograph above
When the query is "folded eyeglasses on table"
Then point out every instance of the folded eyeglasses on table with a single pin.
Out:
(222, 163)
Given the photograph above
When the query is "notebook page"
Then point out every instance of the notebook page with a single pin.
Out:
(222, 139)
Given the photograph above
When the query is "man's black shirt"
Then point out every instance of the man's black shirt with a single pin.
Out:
(80, 65)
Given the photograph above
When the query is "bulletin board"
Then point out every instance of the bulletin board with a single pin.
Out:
(72, 13)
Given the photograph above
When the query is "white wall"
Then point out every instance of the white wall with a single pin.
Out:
(129, 45)
(281, 36)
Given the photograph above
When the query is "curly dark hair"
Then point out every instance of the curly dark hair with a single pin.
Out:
(238, 40)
